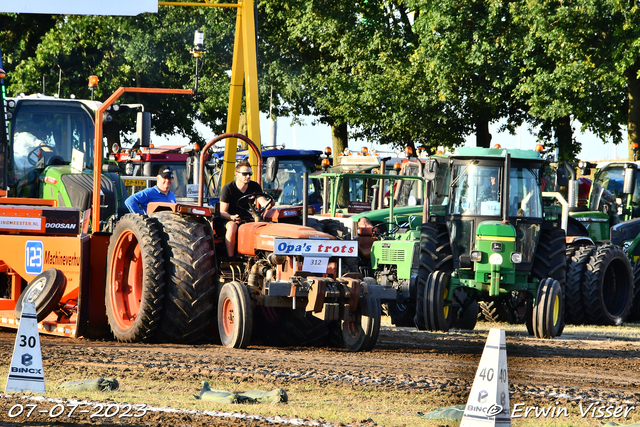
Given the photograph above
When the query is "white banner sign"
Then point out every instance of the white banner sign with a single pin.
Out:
(21, 223)
(81, 7)
(316, 248)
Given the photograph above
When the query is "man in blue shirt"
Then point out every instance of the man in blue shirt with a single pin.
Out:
(137, 203)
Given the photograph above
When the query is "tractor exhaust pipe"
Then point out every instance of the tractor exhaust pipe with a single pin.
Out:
(505, 187)
(305, 198)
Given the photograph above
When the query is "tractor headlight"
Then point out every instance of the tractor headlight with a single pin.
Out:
(128, 168)
(495, 259)
(516, 257)
(476, 256)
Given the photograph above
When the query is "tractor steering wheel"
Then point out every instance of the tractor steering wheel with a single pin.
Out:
(33, 158)
(251, 208)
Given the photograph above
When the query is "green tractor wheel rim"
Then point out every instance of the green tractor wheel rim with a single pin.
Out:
(556, 309)
(445, 306)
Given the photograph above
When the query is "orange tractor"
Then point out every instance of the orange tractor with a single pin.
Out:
(157, 277)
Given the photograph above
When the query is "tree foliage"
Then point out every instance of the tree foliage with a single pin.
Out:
(415, 72)
(141, 51)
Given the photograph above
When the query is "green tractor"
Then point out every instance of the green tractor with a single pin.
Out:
(51, 154)
(388, 237)
(600, 277)
(487, 239)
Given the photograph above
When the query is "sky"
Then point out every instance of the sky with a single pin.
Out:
(318, 137)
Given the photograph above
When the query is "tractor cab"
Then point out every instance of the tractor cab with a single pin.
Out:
(486, 240)
(471, 191)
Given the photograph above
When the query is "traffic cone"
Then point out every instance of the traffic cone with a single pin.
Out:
(26, 372)
(488, 403)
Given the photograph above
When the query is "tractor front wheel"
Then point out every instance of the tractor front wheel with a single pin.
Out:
(437, 311)
(135, 279)
(548, 310)
(45, 291)
(235, 316)
(362, 333)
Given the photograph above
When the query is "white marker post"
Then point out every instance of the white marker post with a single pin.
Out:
(488, 403)
(26, 372)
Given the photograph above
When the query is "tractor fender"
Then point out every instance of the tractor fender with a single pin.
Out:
(624, 231)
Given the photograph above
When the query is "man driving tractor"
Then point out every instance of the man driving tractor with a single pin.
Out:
(229, 209)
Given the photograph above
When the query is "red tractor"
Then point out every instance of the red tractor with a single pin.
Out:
(163, 279)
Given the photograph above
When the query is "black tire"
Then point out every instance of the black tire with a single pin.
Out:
(550, 259)
(469, 316)
(435, 254)
(608, 286)
(189, 289)
(437, 312)
(362, 334)
(134, 288)
(300, 328)
(573, 248)
(547, 312)
(574, 311)
(235, 315)
(494, 311)
(336, 229)
(315, 224)
(45, 291)
(518, 305)
(634, 313)
(401, 314)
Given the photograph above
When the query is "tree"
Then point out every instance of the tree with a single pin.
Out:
(142, 51)
(466, 55)
(350, 64)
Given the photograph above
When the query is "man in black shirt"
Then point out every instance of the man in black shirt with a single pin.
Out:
(231, 193)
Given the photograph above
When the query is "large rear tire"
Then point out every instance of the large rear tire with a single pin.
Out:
(437, 311)
(401, 314)
(45, 292)
(336, 229)
(134, 290)
(634, 313)
(190, 266)
(435, 254)
(362, 334)
(547, 312)
(574, 312)
(494, 311)
(235, 315)
(608, 286)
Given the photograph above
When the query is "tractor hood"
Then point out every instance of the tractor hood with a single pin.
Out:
(260, 235)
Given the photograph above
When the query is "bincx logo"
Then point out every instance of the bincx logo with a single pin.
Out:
(494, 410)
(27, 359)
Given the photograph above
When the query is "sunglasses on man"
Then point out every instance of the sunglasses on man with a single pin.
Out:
(246, 173)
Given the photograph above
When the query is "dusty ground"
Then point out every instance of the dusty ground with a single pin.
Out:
(571, 366)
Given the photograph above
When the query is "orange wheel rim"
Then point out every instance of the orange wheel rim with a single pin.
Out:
(126, 280)
(227, 317)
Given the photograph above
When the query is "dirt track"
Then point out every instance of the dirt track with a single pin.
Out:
(573, 367)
